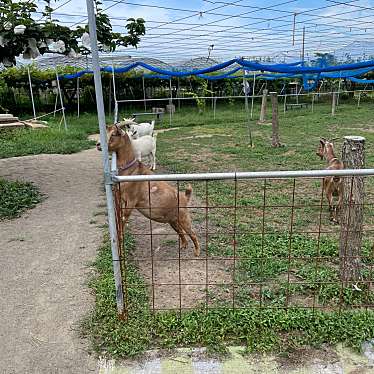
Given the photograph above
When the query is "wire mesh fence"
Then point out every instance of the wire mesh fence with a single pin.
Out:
(265, 242)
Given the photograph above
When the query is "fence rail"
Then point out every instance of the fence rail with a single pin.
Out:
(245, 175)
(309, 94)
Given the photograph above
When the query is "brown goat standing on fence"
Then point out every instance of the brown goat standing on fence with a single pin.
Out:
(156, 200)
(332, 186)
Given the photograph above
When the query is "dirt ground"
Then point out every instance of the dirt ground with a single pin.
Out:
(44, 265)
(177, 279)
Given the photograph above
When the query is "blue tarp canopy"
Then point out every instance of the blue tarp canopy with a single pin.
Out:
(293, 70)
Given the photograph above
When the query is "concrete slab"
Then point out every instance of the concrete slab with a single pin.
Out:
(338, 360)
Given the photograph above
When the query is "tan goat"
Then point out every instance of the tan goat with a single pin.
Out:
(332, 186)
(156, 200)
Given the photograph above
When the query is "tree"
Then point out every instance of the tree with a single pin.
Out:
(324, 59)
(22, 34)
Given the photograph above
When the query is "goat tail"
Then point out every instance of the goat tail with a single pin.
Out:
(188, 193)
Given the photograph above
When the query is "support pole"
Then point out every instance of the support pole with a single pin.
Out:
(170, 102)
(303, 48)
(212, 93)
(247, 111)
(275, 142)
(31, 92)
(359, 99)
(214, 107)
(297, 93)
(313, 98)
(333, 105)
(144, 96)
(106, 165)
(245, 92)
(56, 100)
(263, 106)
(285, 103)
(115, 117)
(110, 98)
(253, 94)
(352, 213)
(61, 100)
(78, 98)
(339, 85)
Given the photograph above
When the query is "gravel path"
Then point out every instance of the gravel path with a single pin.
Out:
(44, 257)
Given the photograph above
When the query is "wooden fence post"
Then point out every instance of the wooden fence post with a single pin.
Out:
(352, 213)
(263, 106)
(333, 105)
(275, 142)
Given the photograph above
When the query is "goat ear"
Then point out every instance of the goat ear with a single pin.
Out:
(322, 141)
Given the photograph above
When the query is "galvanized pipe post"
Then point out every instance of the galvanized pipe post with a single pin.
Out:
(106, 166)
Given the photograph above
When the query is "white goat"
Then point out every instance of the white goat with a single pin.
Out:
(138, 129)
(144, 147)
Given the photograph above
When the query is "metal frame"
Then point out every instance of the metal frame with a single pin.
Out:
(105, 157)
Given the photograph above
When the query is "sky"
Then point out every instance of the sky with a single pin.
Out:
(178, 30)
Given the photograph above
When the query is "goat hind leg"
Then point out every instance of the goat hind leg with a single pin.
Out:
(186, 225)
(177, 227)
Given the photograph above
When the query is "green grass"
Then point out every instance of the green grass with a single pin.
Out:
(52, 140)
(260, 329)
(16, 197)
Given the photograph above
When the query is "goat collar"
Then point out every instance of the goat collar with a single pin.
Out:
(128, 165)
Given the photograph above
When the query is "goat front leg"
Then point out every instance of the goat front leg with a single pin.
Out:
(330, 201)
(126, 212)
(339, 205)
(153, 160)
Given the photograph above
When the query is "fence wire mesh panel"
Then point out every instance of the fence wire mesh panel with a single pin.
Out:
(264, 243)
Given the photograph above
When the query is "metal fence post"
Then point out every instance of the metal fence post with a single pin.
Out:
(106, 166)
